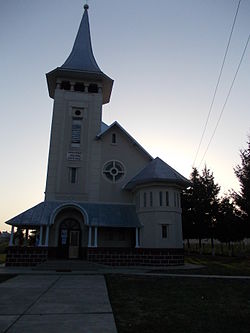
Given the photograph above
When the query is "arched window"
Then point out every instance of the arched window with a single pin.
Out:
(65, 85)
(79, 87)
(93, 88)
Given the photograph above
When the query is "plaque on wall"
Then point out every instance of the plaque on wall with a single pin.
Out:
(74, 156)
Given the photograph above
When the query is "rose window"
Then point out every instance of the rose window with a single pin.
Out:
(113, 171)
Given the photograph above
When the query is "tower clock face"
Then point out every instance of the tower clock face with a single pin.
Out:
(113, 171)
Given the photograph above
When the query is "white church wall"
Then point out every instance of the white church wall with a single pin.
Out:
(131, 158)
(65, 156)
(159, 211)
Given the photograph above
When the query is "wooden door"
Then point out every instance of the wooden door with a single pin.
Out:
(74, 236)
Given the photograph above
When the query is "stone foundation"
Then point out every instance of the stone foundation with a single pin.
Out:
(136, 257)
(32, 256)
(25, 256)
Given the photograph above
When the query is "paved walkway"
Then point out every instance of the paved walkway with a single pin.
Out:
(55, 303)
(66, 297)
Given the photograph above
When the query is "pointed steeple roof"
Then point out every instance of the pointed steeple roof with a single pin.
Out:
(157, 171)
(81, 56)
(81, 63)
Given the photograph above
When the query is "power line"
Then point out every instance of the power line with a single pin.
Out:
(225, 103)
(218, 82)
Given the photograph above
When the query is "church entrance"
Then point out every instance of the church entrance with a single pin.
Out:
(70, 238)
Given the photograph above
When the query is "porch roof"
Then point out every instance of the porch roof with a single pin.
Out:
(96, 214)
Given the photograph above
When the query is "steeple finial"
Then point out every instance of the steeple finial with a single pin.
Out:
(86, 6)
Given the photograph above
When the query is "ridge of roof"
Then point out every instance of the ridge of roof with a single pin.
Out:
(157, 171)
(115, 123)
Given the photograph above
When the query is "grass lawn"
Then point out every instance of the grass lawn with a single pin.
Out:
(179, 305)
(2, 258)
(213, 266)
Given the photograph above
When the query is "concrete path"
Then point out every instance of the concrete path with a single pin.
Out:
(55, 303)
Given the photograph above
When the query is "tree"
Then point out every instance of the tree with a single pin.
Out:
(200, 206)
(188, 208)
(230, 227)
(210, 203)
(242, 172)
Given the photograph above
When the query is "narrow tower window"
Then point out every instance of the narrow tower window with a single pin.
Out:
(113, 138)
(145, 199)
(73, 175)
(138, 201)
(151, 199)
(167, 199)
(175, 199)
(160, 198)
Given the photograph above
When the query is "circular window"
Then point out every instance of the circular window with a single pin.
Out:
(77, 112)
(113, 171)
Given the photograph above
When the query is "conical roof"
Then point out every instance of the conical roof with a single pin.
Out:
(81, 56)
(160, 172)
(81, 63)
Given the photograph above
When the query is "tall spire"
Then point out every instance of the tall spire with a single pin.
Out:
(81, 64)
(81, 56)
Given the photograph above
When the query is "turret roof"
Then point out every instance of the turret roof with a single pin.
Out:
(158, 171)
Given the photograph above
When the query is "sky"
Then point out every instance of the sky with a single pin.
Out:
(164, 56)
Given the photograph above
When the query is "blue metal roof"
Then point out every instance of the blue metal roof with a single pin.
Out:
(96, 214)
(104, 127)
(157, 171)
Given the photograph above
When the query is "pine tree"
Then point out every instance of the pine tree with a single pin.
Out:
(189, 199)
(242, 172)
(200, 206)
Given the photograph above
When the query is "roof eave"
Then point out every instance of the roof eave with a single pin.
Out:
(133, 184)
(76, 74)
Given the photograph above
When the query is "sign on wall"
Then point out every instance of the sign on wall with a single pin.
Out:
(74, 156)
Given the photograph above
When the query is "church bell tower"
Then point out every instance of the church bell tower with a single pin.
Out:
(79, 89)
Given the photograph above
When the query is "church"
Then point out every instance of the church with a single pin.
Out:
(107, 200)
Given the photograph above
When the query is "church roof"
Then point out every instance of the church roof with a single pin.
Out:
(81, 56)
(107, 129)
(98, 214)
(81, 63)
(104, 127)
(157, 171)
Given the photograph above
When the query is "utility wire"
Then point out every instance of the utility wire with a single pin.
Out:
(225, 103)
(217, 84)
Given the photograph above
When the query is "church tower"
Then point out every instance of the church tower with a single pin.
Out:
(79, 89)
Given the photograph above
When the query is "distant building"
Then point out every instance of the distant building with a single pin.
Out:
(106, 200)
(4, 235)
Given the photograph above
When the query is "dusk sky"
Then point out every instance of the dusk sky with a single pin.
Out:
(164, 56)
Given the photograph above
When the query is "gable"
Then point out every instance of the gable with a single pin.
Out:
(116, 131)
